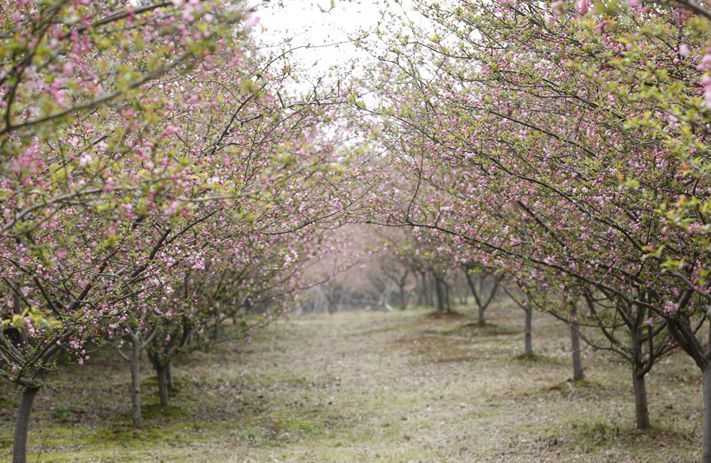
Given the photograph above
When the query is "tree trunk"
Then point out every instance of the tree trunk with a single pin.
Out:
(162, 373)
(445, 287)
(575, 343)
(640, 399)
(528, 328)
(480, 306)
(428, 290)
(403, 293)
(706, 381)
(421, 298)
(442, 305)
(22, 425)
(638, 375)
(136, 381)
(440, 296)
(169, 376)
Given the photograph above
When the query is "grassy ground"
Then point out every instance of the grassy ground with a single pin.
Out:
(371, 387)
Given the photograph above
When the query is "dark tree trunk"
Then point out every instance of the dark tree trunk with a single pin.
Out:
(169, 376)
(22, 425)
(472, 287)
(482, 299)
(136, 381)
(440, 293)
(638, 374)
(640, 399)
(445, 287)
(685, 336)
(402, 292)
(482, 308)
(528, 327)
(421, 299)
(575, 343)
(162, 373)
(429, 301)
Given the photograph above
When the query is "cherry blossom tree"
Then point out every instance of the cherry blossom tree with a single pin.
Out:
(79, 195)
(116, 171)
(542, 137)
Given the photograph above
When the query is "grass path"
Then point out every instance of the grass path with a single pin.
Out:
(371, 387)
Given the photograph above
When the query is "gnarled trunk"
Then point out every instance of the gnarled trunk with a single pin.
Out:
(22, 424)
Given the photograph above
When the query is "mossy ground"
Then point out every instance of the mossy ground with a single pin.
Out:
(371, 387)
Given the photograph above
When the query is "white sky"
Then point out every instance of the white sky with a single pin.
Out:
(317, 23)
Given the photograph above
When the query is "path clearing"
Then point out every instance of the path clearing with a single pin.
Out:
(374, 387)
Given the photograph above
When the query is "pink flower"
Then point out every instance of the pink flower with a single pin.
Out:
(684, 50)
(558, 8)
(582, 7)
(251, 21)
(109, 185)
(172, 209)
(84, 160)
(705, 64)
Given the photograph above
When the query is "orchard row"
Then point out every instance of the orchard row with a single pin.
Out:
(160, 175)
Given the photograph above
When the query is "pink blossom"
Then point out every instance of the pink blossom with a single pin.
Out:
(706, 83)
(251, 21)
(582, 7)
(84, 160)
(705, 64)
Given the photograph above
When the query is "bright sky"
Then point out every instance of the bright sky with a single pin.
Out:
(317, 20)
(318, 23)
